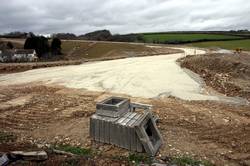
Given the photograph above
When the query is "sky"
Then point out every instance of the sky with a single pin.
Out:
(122, 16)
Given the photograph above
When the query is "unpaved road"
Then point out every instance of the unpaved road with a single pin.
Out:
(41, 114)
(148, 77)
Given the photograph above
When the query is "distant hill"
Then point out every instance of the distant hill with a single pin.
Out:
(101, 35)
(65, 36)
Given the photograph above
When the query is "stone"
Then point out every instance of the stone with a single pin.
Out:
(35, 155)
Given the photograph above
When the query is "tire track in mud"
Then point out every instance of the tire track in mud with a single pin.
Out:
(45, 107)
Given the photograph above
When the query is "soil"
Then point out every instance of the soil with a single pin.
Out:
(50, 114)
(79, 51)
(226, 73)
(20, 67)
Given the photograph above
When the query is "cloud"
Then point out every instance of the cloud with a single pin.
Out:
(122, 16)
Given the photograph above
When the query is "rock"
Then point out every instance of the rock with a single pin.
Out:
(225, 120)
(165, 158)
(247, 162)
(36, 155)
(158, 164)
(40, 146)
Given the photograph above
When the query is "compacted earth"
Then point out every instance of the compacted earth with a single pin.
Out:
(226, 73)
(36, 116)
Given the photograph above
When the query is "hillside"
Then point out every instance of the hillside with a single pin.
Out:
(172, 38)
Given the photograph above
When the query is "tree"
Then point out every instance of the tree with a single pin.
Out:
(56, 46)
(10, 45)
(40, 44)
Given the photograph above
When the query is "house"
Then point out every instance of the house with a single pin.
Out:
(24, 55)
(6, 55)
(18, 55)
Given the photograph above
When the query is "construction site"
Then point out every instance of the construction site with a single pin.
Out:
(195, 102)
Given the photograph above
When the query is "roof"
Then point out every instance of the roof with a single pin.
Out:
(24, 51)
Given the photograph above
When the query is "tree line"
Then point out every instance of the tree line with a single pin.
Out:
(43, 47)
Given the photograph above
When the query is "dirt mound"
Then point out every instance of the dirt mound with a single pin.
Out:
(226, 73)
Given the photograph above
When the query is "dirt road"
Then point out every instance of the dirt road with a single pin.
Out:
(148, 77)
(43, 114)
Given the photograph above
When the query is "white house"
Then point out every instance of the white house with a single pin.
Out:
(18, 55)
(24, 55)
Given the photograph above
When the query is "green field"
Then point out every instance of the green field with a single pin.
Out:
(231, 45)
(163, 37)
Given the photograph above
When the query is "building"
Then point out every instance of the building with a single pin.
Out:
(24, 55)
(18, 55)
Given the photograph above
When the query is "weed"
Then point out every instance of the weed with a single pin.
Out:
(75, 150)
(184, 160)
(139, 158)
(7, 137)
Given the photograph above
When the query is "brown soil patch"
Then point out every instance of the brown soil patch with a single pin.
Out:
(55, 115)
(226, 73)
(20, 67)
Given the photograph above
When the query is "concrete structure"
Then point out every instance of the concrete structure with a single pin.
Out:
(113, 107)
(117, 122)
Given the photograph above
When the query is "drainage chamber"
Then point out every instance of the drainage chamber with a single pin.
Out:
(117, 122)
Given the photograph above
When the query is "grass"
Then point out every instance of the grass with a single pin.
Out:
(7, 137)
(75, 150)
(132, 159)
(184, 161)
(161, 37)
(231, 45)
(137, 159)
(88, 50)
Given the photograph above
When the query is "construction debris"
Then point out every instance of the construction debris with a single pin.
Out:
(117, 122)
(4, 160)
(13, 156)
(31, 156)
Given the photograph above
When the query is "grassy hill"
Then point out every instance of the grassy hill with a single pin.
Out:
(231, 45)
(185, 37)
(95, 50)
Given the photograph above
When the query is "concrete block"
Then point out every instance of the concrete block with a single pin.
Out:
(115, 123)
(92, 127)
(102, 129)
(132, 132)
(148, 133)
(113, 107)
(107, 131)
(4, 160)
(97, 130)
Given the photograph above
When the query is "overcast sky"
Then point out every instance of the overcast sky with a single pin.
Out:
(122, 16)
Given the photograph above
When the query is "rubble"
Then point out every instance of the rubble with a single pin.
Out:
(13, 156)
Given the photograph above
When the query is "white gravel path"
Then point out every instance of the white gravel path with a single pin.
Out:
(147, 77)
